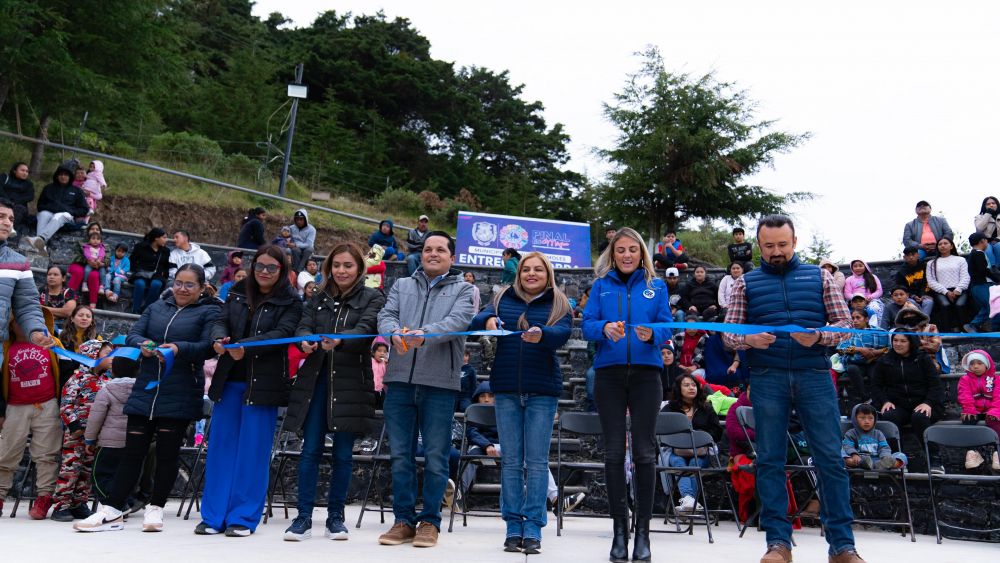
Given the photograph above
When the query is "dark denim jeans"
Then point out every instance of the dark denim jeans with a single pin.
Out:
(812, 393)
(314, 433)
(410, 409)
(144, 293)
(525, 426)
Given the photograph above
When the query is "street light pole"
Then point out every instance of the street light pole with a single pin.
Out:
(297, 92)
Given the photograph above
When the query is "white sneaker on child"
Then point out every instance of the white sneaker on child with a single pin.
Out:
(152, 519)
(105, 519)
(686, 505)
(973, 459)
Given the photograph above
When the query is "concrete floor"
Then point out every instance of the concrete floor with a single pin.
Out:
(583, 539)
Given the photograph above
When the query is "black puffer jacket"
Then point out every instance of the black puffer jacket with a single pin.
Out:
(907, 382)
(350, 400)
(267, 366)
(701, 295)
(16, 190)
(63, 198)
(177, 394)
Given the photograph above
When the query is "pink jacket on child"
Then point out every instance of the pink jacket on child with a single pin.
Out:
(978, 394)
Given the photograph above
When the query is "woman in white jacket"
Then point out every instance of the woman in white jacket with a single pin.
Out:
(948, 278)
(726, 285)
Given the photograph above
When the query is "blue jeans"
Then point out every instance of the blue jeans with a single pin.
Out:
(237, 468)
(412, 262)
(981, 295)
(775, 391)
(410, 409)
(993, 253)
(591, 376)
(392, 254)
(688, 486)
(145, 293)
(525, 426)
(314, 433)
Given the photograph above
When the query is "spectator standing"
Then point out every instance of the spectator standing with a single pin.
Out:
(948, 278)
(510, 258)
(423, 379)
(986, 224)
(252, 231)
(981, 277)
(161, 404)
(60, 204)
(187, 252)
(248, 386)
(526, 383)
(150, 263)
(334, 390)
(415, 243)
(925, 231)
(793, 370)
(913, 276)
(470, 278)
(16, 187)
(303, 239)
(94, 185)
(627, 366)
(386, 238)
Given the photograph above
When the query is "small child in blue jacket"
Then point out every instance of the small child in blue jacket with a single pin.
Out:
(865, 446)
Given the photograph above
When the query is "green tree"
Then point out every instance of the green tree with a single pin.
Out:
(819, 248)
(688, 148)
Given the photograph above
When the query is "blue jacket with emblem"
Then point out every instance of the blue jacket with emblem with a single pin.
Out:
(519, 366)
(611, 301)
(792, 296)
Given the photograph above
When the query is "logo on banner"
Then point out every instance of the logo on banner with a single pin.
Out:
(484, 233)
(513, 236)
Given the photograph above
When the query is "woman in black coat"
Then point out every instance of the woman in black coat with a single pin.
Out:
(16, 187)
(150, 264)
(248, 387)
(173, 335)
(906, 387)
(334, 390)
(691, 398)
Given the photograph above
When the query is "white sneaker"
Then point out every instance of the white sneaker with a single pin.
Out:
(39, 244)
(105, 519)
(973, 459)
(152, 519)
(687, 504)
(996, 462)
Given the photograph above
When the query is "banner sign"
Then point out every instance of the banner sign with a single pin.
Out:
(483, 237)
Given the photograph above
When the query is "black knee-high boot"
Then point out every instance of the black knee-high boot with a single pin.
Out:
(619, 545)
(641, 550)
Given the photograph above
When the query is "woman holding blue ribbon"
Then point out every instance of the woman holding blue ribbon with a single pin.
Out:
(626, 295)
(173, 335)
(527, 383)
(334, 391)
(248, 386)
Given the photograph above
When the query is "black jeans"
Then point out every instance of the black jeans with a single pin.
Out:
(106, 463)
(638, 390)
(169, 434)
(859, 376)
(903, 414)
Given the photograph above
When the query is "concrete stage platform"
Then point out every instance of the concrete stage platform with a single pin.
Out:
(583, 540)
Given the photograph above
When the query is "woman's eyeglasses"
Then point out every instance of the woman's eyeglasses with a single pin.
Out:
(269, 268)
(190, 286)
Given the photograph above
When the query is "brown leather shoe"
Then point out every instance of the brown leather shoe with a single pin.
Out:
(427, 535)
(848, 556)
(778, 553)
(400, 532)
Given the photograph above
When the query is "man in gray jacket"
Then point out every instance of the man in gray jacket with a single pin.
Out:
(925, 231)
(422, 381)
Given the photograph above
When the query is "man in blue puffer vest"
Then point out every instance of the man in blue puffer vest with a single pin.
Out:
(792, 370)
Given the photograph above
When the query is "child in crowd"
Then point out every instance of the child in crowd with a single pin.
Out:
(740, 251)
(380, 361)
(863, 281)
(838, 276)
(669, 371)
(376, 267)
(900, 296)
(29, 404)
(104, 436)
(117, 273)
(860, 352)
(94, 185)
(689, 345)
(470, 383)
(865, 446)
(79, 176)
(235, 264)
(224, 290)
(73, 484)
(284, 240)
(980, 399)
(309, 291)
(96, 259)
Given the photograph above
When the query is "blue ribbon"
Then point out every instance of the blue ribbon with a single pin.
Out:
(168, 364)
(132, 353)
(746, 329)
(320, 337)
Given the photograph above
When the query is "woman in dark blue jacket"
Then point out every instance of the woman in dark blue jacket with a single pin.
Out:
(527, 383)
(625, 296)
(248, 386)
(163, 401)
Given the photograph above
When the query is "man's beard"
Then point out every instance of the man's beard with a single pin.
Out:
(778, 264)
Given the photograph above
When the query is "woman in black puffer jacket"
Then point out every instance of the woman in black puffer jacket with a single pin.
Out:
(163, 402)
(334, 390)
(248, 387)
(906, 387)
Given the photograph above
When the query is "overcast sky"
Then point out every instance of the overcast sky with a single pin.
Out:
(900, 97)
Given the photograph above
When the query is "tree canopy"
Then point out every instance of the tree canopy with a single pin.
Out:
(688, 148)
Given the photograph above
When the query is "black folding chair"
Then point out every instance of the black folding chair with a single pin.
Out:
(480, 415)
(196, 469)
(30, 471)
(379, 458)
(581, 424)
(896, 476)
(959, 436)
(674, 431)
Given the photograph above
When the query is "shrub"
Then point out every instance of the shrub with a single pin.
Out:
(431, 202)
(121, 148)
(470, 201)
(185, 147)
(399, 200)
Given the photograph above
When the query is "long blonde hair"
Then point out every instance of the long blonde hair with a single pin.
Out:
(606, 262)
(560, 304)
